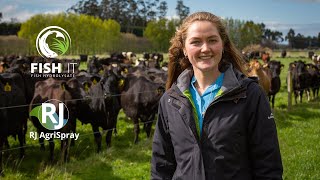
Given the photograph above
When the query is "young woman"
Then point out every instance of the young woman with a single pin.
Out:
(214, 122)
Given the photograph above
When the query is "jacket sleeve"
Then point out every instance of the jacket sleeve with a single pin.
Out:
(264, 149)
(163, 163)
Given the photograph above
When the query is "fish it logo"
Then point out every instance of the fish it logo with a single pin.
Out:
(50, 45)
(46, 113)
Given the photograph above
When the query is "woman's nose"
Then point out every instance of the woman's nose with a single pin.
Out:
(204, 47)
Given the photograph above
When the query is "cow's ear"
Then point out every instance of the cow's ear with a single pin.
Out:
(121, 84)
(86, 86)
(64, 86)
(160, 90)
(125, 71)
(95, 79)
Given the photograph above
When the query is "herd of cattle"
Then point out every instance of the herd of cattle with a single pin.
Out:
(96, 95)
(305, 76)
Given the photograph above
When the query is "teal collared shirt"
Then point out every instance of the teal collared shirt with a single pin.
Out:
(202, 102)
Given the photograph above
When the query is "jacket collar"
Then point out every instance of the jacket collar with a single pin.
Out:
(233, 84)
(232, 79)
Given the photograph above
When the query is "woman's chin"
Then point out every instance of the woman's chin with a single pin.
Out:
(206, 68)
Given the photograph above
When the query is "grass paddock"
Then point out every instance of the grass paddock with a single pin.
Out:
(298, 132)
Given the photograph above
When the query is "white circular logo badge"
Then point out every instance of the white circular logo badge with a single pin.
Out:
(53, 41)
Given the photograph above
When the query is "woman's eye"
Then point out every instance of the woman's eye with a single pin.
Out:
(212, 40)
(195, 42)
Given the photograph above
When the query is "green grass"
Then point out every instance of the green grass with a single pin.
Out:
(299, 137)
(124, 160)
(298, 132)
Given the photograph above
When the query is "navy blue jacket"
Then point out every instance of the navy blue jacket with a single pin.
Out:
(238, 141)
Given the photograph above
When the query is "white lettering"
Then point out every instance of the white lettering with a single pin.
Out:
(46, 68)
(33, 135)
(55, 135)
(58, 68)
(61, 111)
(72, 67)
(33, 67)
(49, 114)
(76, 135)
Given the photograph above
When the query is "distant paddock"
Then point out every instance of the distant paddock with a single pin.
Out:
(15, 45)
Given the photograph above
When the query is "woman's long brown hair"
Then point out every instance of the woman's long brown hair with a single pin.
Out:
(177, 60)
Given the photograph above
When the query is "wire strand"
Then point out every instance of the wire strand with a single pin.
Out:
(79, 99)
(103, 132)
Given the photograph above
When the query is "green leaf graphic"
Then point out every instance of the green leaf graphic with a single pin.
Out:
(36, 112)
(60, 45)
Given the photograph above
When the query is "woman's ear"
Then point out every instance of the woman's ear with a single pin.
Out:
(185, 54)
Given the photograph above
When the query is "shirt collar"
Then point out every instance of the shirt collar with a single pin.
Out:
(215, 85)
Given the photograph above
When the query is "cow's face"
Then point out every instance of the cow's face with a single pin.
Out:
(275, 67)
(301, 72)
(110, 85)
(79, 91)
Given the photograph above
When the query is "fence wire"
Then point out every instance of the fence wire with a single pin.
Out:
(80, 99)
(103, 132)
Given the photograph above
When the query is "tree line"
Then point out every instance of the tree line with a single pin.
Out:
(300, 41)
(89, 34)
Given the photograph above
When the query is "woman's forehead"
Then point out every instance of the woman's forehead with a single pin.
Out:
(202, 28)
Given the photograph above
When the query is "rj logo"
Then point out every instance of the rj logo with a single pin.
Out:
(46, 113)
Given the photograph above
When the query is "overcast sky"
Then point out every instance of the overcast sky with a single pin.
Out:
(301, 15)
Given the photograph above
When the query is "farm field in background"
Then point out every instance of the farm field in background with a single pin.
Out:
(298, 132)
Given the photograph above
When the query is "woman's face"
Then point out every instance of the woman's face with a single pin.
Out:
(203, 46)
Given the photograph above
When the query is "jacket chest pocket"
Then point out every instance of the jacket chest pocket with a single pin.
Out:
(225, 135)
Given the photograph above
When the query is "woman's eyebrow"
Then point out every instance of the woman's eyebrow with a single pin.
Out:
(213, 36)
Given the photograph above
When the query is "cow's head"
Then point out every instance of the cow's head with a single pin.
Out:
(110, 84)
(275, 68)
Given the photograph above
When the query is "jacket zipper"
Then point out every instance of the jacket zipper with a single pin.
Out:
(176, 96)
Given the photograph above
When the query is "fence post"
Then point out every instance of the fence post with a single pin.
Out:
(289, 84)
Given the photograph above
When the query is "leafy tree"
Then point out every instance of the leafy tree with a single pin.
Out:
(88, 34)
(163, 8)
(251, 33)
(105, 9)
(290, 37)
(132, 15)
(9, 28)
(276, 36)
(182, 10)
(159, 33)
(147, 10)
(88, 7)
(272, 35)
(268, 34)
(233, 27)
